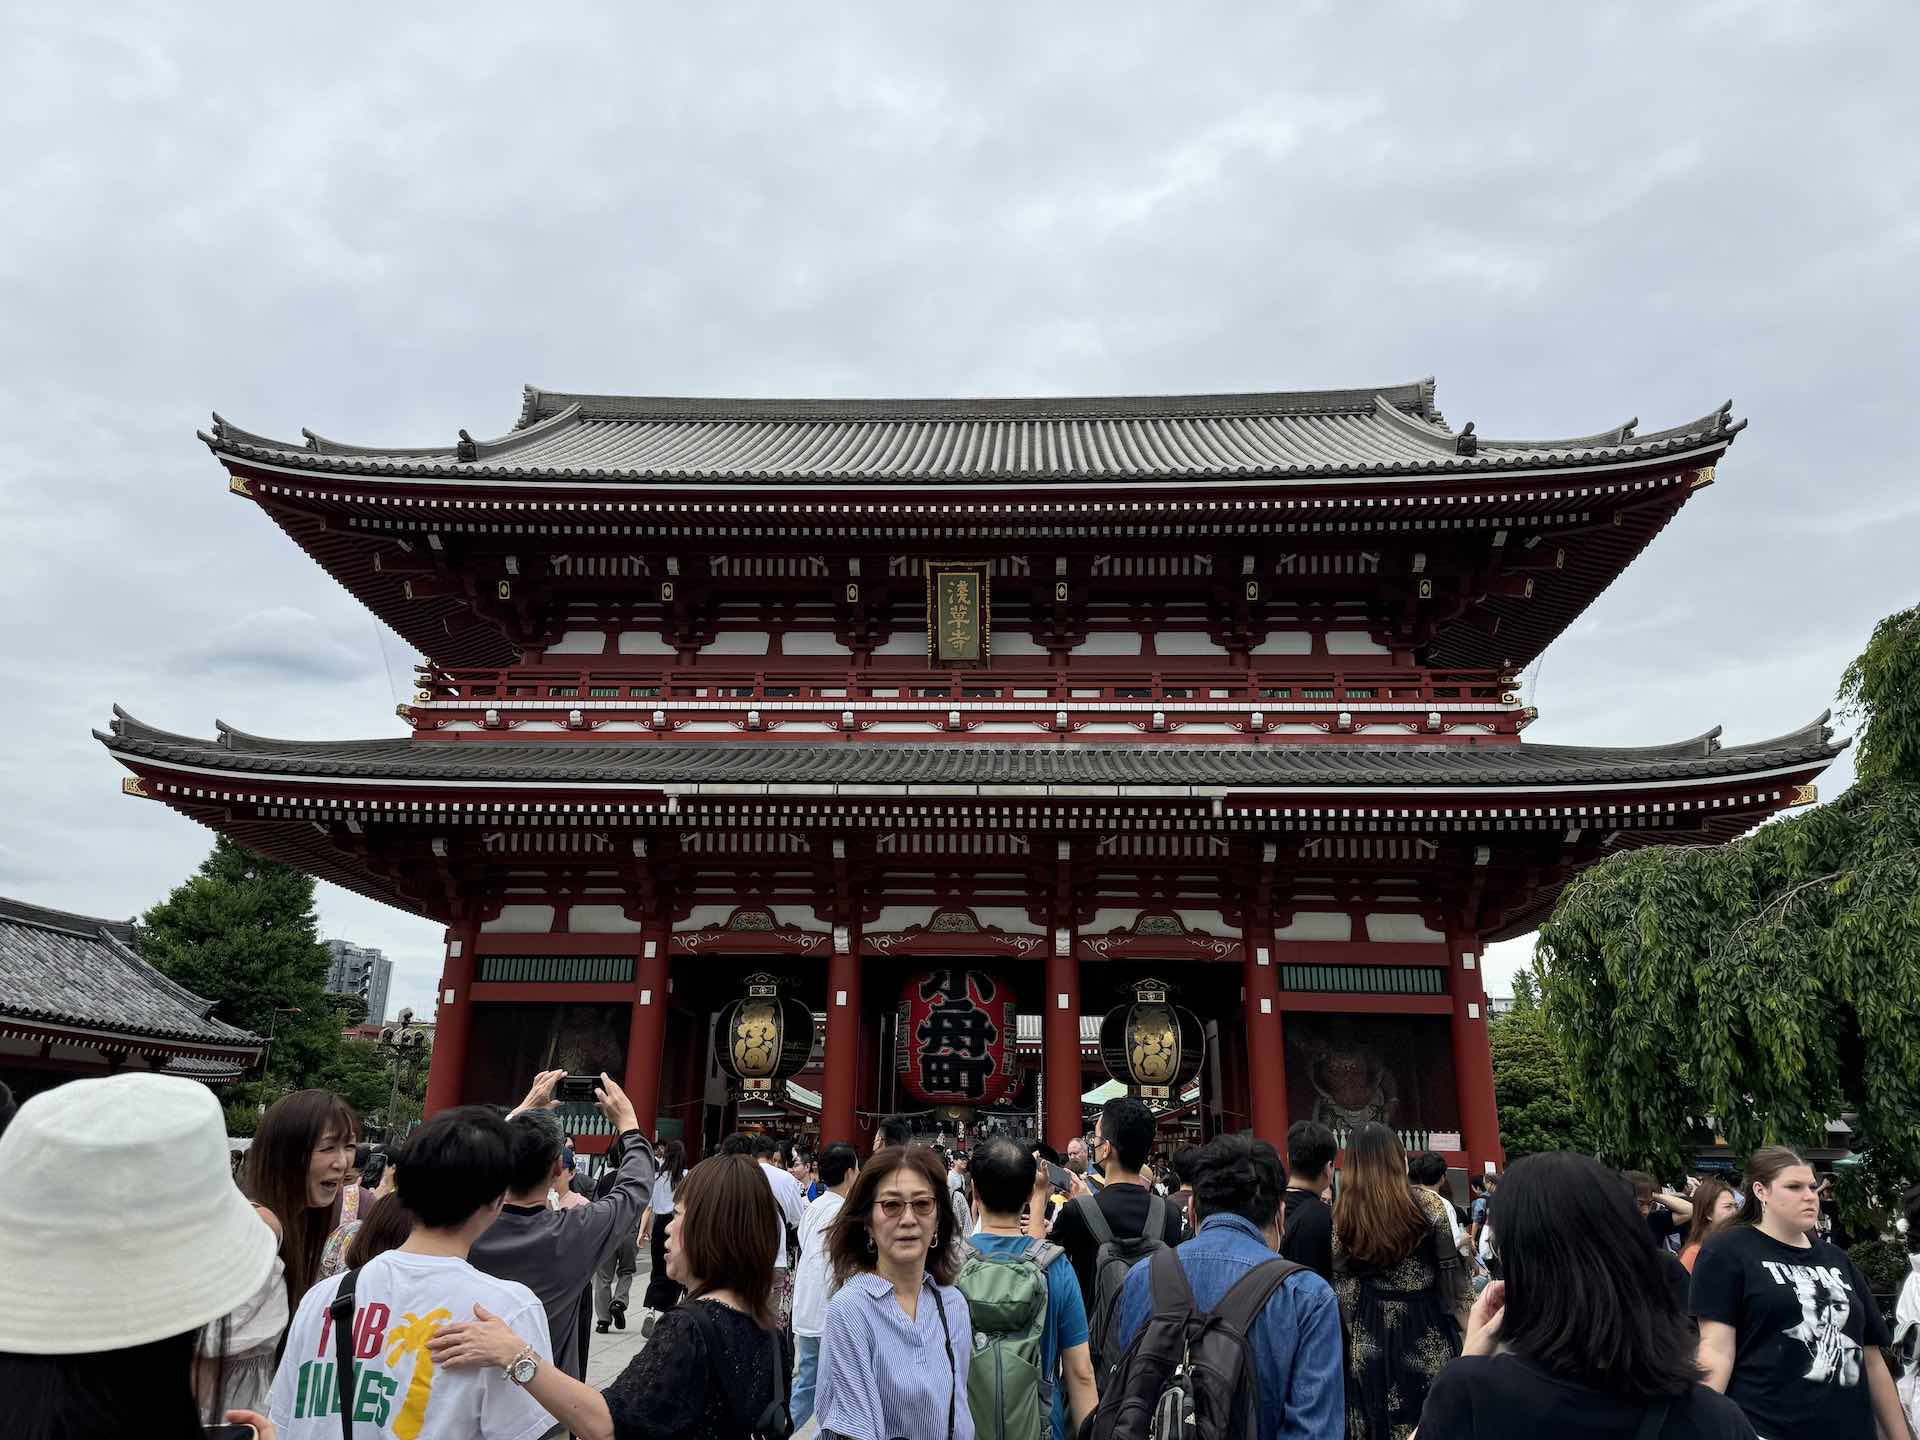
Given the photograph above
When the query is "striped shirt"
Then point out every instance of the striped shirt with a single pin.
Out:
(883, 1375)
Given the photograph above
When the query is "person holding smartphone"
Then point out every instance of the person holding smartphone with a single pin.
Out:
(103, 1304)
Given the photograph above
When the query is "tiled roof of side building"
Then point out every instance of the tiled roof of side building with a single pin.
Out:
(59, 968)
(775, 765)
(1368, 432)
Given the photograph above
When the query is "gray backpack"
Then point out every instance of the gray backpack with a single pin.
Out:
(1111, 1262)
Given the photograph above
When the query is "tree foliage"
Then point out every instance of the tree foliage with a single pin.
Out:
(242, 933)
(1768, 984)
(1531, 1086)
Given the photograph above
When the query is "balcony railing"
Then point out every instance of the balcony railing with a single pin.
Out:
(1152, 697)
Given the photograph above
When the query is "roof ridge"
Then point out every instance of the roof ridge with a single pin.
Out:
(540, 405)
(70, 922)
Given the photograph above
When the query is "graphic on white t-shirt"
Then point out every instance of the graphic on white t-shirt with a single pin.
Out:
(1826, 1304)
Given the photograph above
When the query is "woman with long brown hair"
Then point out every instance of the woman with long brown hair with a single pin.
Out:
(1403, 1291)
(714, 1369)
(300, 1160)
(1714, 1202)
(898, 1337)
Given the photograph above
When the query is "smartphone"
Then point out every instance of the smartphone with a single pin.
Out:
(231, 1432)
(1058, 1177)
(576, 1089)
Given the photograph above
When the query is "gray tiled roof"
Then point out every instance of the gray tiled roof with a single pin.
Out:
(781, 765)
(1391, 430)
(58, 968)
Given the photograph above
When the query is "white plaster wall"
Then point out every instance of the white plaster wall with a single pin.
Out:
(520, 920)
(1286, 642)
(739, 642)
(1353, 642)
(643, 642)
(579, 642)
(812, 642)
(1405, 929)
(1109, 642)
(1186, 642)
(904, 642)
(1016, 642)
(1317, 925)
(600, 920)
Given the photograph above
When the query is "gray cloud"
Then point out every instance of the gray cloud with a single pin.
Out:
(381, 224)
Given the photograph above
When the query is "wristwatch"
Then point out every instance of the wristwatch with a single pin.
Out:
(524, 1367)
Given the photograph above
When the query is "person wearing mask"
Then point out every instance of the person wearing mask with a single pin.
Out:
(898, 1338)
(712, 1369)
(552, 1252)
(103, 1302)
(1119, 1210)
(1007, 1182)
(792, 1207)
(1402, 1286)
(1180, 1185)
(1581, 1340)
(299, 1168)
(1714, 1203)
(1788, 1327)
(1666, 1213)
(663, 1291)
(1295, 1342)
(454, 1174)
(812, 1278)
(1306, 1226)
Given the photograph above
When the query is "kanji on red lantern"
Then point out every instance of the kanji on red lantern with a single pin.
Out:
(956, 1029)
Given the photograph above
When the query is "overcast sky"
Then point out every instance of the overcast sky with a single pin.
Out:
(380, 222)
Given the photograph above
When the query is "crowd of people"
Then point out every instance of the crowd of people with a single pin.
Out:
(453, 1286)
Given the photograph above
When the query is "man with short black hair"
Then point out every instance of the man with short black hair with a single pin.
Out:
(1123, 1138)
(1295, 1342)
(792, 1207)
(1429, 1171)
(893, 1130)
(1007, 1179)
(453, 1177)
(555, 1252)
(813, 1276)
(1306, 1226)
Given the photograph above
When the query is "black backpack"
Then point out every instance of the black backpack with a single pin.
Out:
(1188, 1375)
(1112, 1259)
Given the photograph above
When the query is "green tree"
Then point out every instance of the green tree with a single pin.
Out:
(1531, 1086)
(242, 932)
(1768, 984)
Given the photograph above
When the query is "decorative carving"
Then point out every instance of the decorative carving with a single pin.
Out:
(1805, 795)
(749, 919)
(237, 485)
(954, 922)
(134, 785)
(1163, 924)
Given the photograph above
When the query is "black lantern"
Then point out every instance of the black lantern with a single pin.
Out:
(1151, 1045)
(763, 1037)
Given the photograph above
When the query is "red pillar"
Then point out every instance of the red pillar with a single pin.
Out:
(1266, 1045)
(453, 1020)
(1060, 1040)
(1473, 1060)
(647, 1031)
(841, 1062)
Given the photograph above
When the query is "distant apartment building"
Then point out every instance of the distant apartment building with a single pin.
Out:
(360, 970)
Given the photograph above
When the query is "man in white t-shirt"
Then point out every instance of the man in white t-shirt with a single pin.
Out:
(792, 1206)
(453, 1176)
(813, 1276)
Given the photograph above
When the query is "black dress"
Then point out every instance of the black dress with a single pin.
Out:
(699, 1378)
(1401, 1329)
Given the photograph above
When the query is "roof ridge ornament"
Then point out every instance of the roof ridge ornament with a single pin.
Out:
(1466, 442)
(467, 449)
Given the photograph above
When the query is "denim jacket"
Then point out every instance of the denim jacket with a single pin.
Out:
(1296, 1341)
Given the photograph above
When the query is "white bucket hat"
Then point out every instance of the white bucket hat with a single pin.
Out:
(120, 1223)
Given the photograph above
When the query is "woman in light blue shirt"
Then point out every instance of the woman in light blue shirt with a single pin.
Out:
(898, 1336)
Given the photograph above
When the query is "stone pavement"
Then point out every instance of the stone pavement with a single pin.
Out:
(608, 1354)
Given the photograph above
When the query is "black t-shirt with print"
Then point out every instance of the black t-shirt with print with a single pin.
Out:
(1802, 1317)
(1503, 1397)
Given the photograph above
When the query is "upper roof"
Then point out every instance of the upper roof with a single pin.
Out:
(62, 969)
(1371, 431)
(738, 766)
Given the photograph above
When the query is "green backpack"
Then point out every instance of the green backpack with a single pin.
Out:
(1009, 1395)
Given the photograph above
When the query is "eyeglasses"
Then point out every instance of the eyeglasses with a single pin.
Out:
(892, 1207)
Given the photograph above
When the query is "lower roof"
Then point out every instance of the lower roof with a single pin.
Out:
(745, 767)
(58, 969)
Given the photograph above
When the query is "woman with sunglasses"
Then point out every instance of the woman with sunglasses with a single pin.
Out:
(897, 1338)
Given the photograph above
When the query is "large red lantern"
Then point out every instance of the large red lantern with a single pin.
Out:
(956, 1038)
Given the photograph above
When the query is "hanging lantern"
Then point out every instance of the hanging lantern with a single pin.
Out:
(763, 1037)
(955, 1038)
(1151, 1045)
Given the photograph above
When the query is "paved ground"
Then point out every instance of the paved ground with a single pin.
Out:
(608, 1354)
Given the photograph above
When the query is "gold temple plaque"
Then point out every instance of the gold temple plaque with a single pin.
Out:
(959, 609)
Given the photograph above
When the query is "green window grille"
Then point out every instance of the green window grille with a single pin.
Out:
(1364, 979)
(558, 969)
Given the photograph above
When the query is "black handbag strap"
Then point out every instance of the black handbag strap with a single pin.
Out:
(1653, 1420)
(953, 1364)
(341, 1309)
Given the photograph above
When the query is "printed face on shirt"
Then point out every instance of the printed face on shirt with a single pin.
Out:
(1826, 1304)
(327, 1167)
(905, 1217)
(1791, 1199)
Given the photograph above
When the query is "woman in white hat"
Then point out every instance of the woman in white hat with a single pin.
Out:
(103, 1295)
